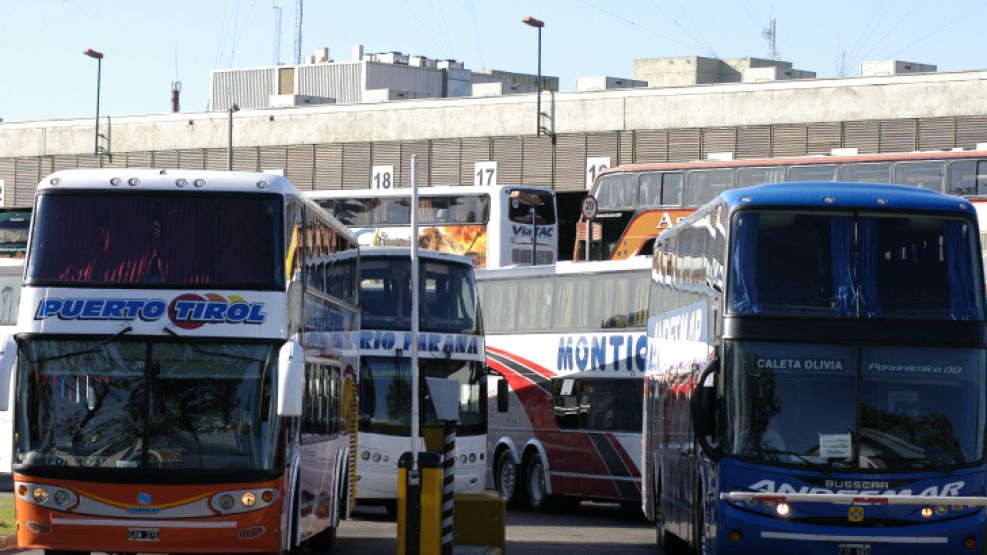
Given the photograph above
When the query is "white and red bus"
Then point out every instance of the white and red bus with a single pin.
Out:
(450, 346)
(493, 225)
(636, 202)
(569, 348)
(186, 375)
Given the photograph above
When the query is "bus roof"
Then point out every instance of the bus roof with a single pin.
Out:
(439, 190)
(566, 268)
(405, 252)
(850, 195)
(167, 179)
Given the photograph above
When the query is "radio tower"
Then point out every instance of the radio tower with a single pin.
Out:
(771, 34)
(277, 35)
(298, 32)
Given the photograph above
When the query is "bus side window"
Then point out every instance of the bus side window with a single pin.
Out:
(928, 175)
(567, 407)
(702, 186)
(866, 173)
(671, 189)
(963, 177)
(820, 172)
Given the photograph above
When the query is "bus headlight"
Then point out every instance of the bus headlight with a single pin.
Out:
(365, 456)
(248, 499)
(226, 502)
(376, 458)
(926, 512)
(783, 509)
(61, 498)
(40, 495)
(472, 457)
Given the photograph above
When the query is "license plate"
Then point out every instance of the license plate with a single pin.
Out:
(145, 534)
(854, 549)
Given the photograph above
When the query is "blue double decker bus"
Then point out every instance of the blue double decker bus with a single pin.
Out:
(817, 374)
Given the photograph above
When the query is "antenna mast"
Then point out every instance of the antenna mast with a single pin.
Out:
(770, 33)
(277, 35)
(298, 31)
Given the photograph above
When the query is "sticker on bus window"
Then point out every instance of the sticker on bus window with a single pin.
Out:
(835, 446)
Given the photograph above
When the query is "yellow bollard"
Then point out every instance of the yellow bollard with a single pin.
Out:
(420, 505)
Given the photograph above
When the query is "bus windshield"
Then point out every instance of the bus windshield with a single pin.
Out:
(385, 394)
(143, 404)
(847, 265)
(919, 407)
(448, 300)
(229, 241)
(522, 202)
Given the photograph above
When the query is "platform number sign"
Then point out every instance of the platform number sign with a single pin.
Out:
(382, 177)
(3, 194)
(595, 165)
(484, 174)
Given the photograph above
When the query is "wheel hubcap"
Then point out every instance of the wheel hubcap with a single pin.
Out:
(507, 479)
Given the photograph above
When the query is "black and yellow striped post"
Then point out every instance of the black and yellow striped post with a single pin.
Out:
(448, 485)
(419, 504)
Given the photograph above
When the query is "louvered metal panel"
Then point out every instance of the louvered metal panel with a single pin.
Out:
(164, 159)
(602, 144)
(192, 159)
(8, 174)
(473, 150)
(898, 135)
(754, 142)
(46, 166)
(300, 166)
(386, 154)
(936, 133)
(536, 161)
(444, 162)
(27, 173)
(625, 148)
(407, 150)
(138, 159)
(684, 145)
(788, 140)
(824, 137)
(570, 162)
(249, 88)
(650, 146)
(115, 161)
(356, 165)
(273, 158)
(89, 161)
(341, 81)
(246, 159)
(328, 167)
(861, 135)
(970, 131)
(63, 162)
(719, 139)
(216, 159)
(507, 152)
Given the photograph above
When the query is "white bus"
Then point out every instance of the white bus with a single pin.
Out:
(187, 372)
(569, 346)
(450, 346)
(492, 225)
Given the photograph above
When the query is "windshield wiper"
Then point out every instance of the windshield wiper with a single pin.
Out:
(828, 471)
(95, 348)
(200, 350)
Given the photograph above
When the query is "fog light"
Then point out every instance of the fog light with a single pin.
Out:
(267, 496)
(926, 512)
(226, 502)
(61, 497)
(248, 499)
(783, 509)
(970, 542)
(735, 536)
(40, 495)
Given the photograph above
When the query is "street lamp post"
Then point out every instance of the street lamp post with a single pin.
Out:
(229, 144)
(99, 68)
(538, 24)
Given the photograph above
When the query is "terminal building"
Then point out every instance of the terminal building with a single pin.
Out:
(330, 125)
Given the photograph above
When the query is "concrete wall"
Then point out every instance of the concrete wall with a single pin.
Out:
(741, 104)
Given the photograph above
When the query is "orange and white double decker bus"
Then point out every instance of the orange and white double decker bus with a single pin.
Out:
(186, 369)
(637, 202)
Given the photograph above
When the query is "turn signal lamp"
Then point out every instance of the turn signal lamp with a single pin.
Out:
(970, 542)
(735, 536)
(267, 496)
(22, 490)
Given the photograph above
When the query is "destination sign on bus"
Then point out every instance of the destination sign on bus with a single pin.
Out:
(187, 311)
(383, 342)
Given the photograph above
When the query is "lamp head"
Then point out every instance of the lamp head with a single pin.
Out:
(528, 20)
(93, 53)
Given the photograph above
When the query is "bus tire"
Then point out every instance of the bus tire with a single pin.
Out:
(537, 492)
(666, 542)
(699, 530)
(508, 481)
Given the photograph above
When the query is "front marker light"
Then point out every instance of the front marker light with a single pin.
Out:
(248, 499)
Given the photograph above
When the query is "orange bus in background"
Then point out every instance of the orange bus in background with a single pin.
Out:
(636, 202)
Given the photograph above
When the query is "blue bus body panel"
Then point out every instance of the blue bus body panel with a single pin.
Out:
(848, 195)
(820, 528)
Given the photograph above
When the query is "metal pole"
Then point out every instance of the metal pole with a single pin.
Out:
(99, 71)
(589, 233)
(229, 142)
(415, 409)
(534, 234)
(538, 127)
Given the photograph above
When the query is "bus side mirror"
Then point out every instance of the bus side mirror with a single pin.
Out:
(291, 379)
(8, 355)
(502, 391)
(705, 408)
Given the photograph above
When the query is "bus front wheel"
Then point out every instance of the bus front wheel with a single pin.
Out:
(508, 479)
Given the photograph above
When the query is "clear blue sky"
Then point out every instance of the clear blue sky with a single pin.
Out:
(148, 44)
